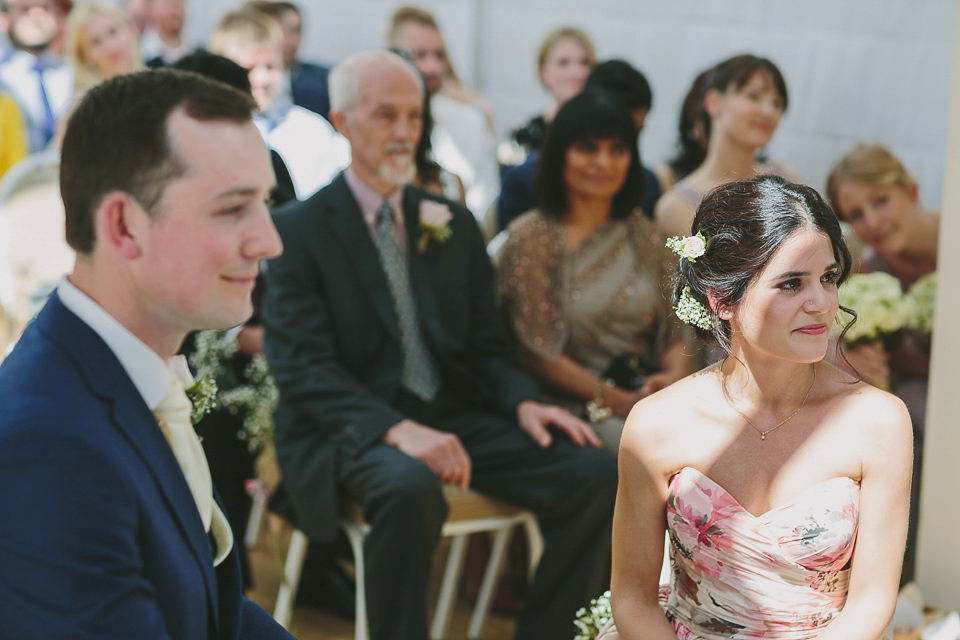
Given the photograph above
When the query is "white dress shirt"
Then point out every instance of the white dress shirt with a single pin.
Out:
(151, 375)
(18, 77)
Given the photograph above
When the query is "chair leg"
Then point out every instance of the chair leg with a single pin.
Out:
(534, 542)
(490, 575)
(290, 581)
(448, 587)
(258, 494)
(356, 534)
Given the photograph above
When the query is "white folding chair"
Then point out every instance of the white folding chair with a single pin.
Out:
(470, 512)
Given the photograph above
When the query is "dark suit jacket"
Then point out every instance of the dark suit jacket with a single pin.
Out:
(99, 535)
(333, 342)
(308, 84)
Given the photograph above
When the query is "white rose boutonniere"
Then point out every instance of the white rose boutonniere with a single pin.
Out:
(434, 223)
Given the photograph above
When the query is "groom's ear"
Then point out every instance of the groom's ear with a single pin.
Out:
(121, 223)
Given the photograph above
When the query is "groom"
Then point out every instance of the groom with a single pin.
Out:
(109, 528)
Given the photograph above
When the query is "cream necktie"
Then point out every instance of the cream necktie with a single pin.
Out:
(173, 416)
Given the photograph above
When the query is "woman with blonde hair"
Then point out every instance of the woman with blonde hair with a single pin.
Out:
(564, 60)
(872, 191)
(101, 43)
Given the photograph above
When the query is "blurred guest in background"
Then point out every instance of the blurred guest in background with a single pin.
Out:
(306, 82)
(13, 144)
(39, 81)
(744, 99)
(464, 142)
(138, 11)
(564, 61)
(101, 43)
(580, 277)
(624, 83)
(396, 377)
(873, 192)
(692, 127)
(162, 42)
(312, 151)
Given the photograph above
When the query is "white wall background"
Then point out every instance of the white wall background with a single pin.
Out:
(856, 69)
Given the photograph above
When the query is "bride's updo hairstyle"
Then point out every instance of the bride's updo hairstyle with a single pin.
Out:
(744, 223)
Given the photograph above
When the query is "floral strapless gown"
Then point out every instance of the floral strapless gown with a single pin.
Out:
(782, 575)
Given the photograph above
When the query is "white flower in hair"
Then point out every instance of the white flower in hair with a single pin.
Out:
(689, 247)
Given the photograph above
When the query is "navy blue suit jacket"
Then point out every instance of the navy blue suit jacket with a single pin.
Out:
(99, 533)
(308, 83)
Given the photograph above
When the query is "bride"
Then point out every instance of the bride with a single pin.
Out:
(783, 483)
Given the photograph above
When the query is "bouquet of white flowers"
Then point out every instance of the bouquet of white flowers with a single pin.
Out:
(923, 292)
(250, 392)
(589, 622)
(881, 306)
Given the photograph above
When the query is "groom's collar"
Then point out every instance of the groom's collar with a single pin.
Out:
(149, 373)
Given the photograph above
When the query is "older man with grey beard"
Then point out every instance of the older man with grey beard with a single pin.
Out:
(396, 377)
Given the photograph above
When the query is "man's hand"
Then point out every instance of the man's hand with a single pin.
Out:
(534, 418)
(442, 452)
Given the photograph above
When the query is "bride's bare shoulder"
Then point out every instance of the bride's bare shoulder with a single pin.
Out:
(665, 416)
(878, 412)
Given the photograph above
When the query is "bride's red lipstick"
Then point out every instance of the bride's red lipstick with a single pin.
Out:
(813, 329)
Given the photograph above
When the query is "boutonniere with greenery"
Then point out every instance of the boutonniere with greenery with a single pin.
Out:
(202, 395)
(201, 392)
(434, 223)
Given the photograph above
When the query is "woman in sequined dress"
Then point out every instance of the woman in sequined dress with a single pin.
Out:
(782, 481)
(580, 277)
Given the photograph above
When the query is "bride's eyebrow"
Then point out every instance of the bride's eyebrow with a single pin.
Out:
(800, 274)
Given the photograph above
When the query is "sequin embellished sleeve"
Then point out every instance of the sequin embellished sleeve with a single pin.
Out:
(661, 263)
(530, 284)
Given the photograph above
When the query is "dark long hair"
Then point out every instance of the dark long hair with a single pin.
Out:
(591, 115)
(692, 144)
(745, 222)
(735, 72)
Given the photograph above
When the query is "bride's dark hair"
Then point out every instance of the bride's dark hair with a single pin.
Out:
(745, 222)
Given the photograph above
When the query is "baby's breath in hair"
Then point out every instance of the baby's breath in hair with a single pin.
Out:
(692, 311)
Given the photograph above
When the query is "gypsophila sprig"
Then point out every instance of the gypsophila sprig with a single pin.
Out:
(691, 311)
(589, 622)
(689, 247)
(202, 395)
(248, 392)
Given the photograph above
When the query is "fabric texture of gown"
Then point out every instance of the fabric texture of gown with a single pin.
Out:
(781, 575)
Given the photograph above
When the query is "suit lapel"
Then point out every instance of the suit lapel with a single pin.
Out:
(108, 381)
(344, 216)
(420, 268)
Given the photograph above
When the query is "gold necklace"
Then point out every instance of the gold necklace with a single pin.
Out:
(763, 434)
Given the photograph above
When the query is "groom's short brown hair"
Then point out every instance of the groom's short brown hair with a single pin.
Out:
(117, 140)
